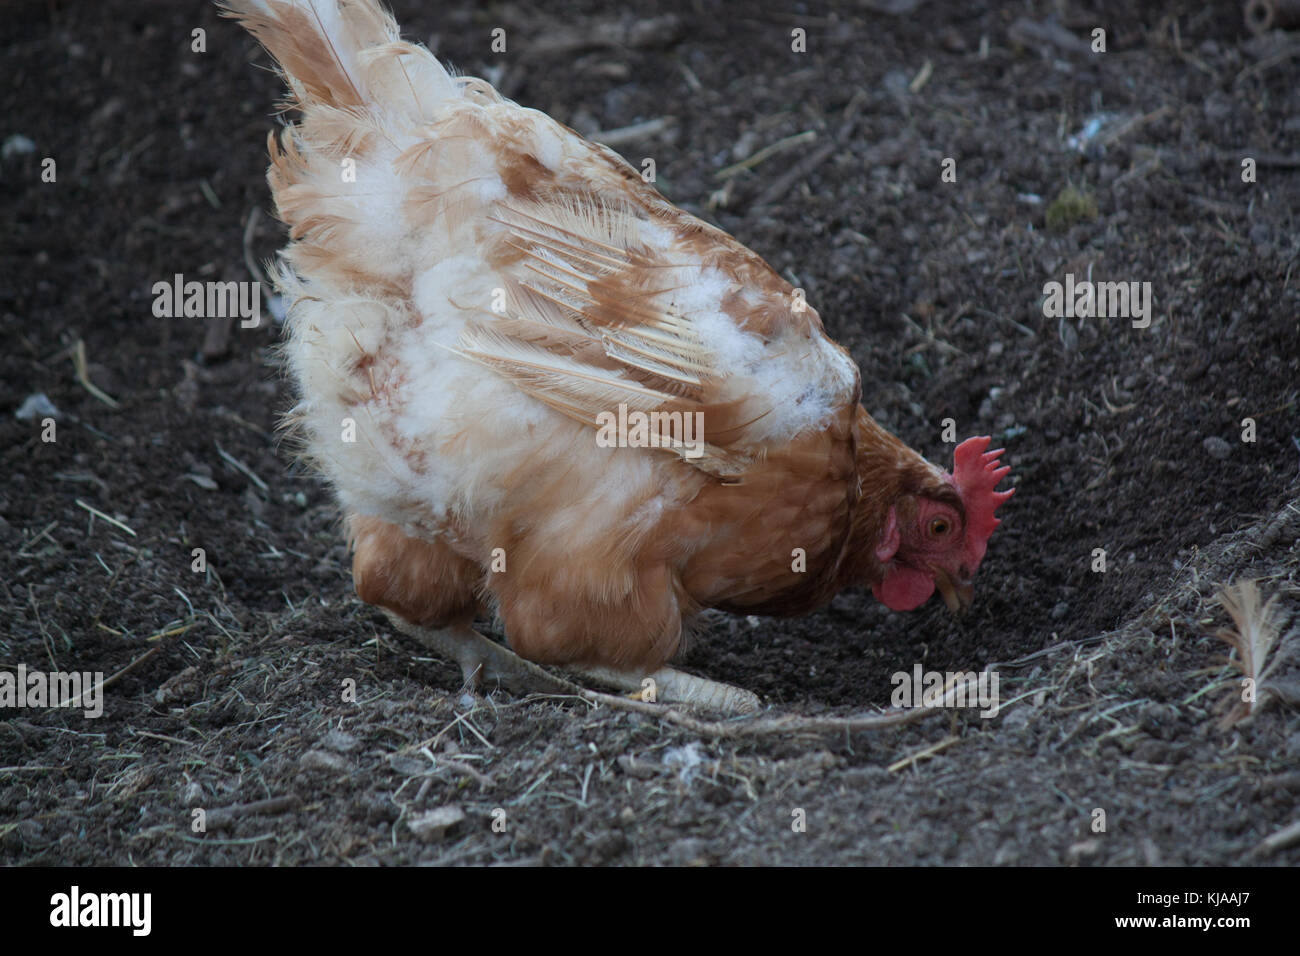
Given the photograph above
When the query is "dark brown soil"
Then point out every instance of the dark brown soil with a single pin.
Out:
(935, 287)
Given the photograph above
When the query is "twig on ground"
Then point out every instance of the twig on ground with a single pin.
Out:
(76, 701)
(99, 514)
(241, 467)
(79, 365)
(760, 726)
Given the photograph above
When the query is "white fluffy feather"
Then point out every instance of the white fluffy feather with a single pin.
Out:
(393, 283)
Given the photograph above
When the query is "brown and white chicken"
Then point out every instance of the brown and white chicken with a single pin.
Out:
(541, 391)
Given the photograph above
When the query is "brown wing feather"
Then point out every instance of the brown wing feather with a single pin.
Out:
(585, 328)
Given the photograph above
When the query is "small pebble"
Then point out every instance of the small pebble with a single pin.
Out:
(432, 825)
(340, 742)
(16, 144)
(37, 404)
(1216, 447)
(321, 760)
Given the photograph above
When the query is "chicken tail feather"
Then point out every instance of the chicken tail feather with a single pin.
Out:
(345, 54)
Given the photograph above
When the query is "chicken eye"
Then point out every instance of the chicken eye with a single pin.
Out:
(940, 526)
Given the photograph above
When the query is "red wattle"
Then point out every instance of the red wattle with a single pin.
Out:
(904, 589)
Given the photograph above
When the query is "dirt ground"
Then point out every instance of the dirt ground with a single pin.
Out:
(1120, 438)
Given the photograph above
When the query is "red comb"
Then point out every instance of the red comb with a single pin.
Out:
(976, 473)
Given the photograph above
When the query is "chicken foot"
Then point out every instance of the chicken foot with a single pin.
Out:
(672, 686)
(484, 661)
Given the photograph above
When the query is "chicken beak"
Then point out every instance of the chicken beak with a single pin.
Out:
(957, 595)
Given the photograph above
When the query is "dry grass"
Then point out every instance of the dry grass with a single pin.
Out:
(1258, 632)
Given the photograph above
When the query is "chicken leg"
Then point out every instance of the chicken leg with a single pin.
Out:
(484, 661)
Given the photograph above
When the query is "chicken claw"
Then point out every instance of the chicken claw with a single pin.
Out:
(484, 661)
(677, 687)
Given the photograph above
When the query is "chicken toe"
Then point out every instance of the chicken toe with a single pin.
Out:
(672, 686)
(483, 661)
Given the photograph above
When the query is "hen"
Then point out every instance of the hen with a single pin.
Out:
(541, 391)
